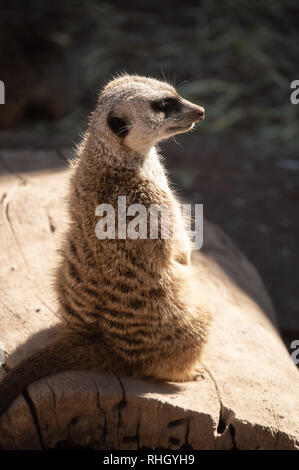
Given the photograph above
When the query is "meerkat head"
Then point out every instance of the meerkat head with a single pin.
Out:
(137, 112)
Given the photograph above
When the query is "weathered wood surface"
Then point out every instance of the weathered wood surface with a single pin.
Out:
(247, 398)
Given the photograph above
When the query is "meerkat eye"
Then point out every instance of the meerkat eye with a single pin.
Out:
(166, 105)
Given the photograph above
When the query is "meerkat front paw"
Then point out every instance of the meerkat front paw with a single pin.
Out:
(183, 257)
(182, 249)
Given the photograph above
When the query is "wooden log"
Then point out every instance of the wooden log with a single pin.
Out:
(247, 397)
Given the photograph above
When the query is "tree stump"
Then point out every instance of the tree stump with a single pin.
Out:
(247, 397)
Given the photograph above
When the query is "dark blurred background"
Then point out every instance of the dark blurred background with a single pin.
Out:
(237, 59)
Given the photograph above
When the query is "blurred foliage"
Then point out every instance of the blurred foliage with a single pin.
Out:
(235, 58)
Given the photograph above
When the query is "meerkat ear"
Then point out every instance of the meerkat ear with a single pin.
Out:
(117, 125)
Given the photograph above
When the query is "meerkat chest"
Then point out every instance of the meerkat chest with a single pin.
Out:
(153, 170)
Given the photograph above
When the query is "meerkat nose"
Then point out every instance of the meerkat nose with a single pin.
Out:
(201, 112)
(197, 112)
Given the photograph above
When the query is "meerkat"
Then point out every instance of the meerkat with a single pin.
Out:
(128, 306)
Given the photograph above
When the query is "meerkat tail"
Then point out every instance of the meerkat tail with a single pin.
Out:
(68, 352)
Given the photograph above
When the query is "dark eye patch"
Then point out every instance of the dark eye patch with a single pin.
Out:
(117, 125)
(166, 105)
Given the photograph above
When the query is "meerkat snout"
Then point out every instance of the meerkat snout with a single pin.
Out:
(138, 112)
(198, 113)
(187, 117)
